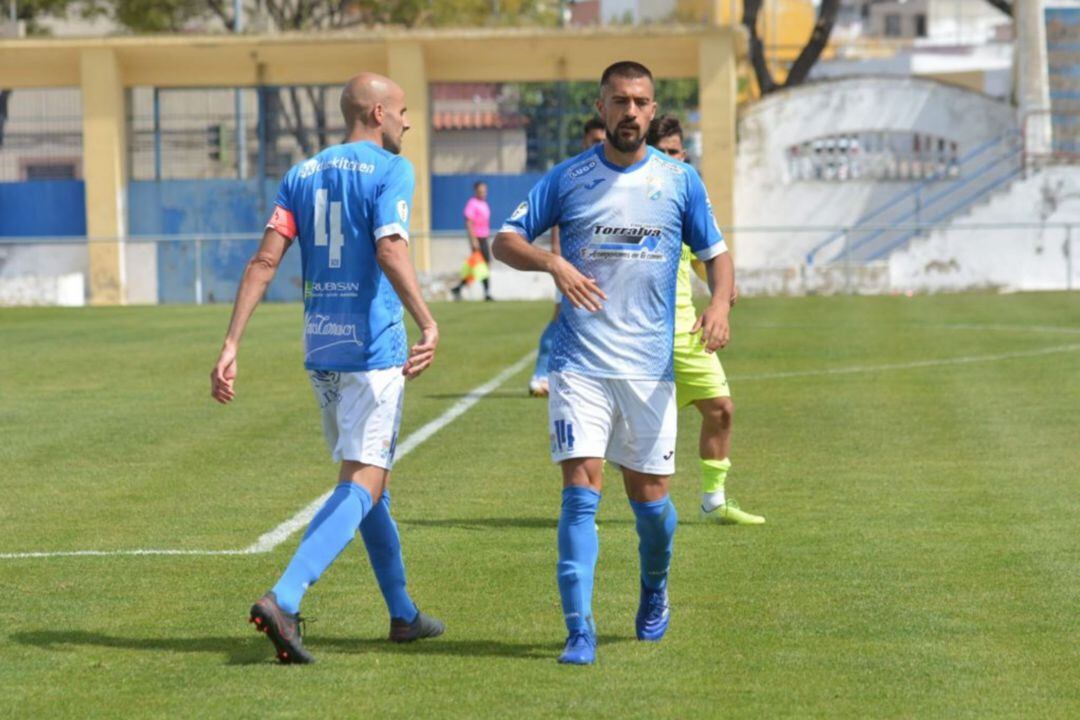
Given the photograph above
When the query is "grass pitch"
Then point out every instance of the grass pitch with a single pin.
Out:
(917, 461)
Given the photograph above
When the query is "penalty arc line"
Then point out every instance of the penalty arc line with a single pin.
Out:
(270, 540)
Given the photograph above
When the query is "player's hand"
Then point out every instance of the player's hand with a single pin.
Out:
(223, 375)
(422, 354)
(714, 328)
(474, 244)
(581, 291)
(734, 294)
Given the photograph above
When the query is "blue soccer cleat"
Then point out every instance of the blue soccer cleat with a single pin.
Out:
(653, 614)
(580, 649)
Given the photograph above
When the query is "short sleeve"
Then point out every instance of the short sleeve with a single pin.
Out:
(539, 212)
(700, 231)
(393, 206)
(283, 219)
(284, 194)
(470, 209)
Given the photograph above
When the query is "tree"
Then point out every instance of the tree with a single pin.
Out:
(819, 38)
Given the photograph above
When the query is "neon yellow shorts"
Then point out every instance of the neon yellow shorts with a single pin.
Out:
(698, 374)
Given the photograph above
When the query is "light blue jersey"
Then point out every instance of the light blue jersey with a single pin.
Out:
(343, 201)
(625, 228)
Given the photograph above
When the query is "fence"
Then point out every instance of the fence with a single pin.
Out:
(199, 269)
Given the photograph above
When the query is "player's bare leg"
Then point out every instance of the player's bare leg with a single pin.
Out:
(370, 477)
(714, 446)
(656, 522)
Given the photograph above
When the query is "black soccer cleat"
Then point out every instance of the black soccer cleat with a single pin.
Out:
(284, 630)
(422, 627)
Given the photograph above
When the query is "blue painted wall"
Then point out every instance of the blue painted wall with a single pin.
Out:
(208, 207)
(449, 193)
(54, 208)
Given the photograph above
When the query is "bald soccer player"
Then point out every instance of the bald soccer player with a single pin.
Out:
(349, 209)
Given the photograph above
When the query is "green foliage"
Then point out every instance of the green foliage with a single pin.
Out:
(552, 116)
(160, 16)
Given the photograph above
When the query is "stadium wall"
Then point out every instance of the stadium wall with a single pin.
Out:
(999, 254)
(104, 68)
(767, 194)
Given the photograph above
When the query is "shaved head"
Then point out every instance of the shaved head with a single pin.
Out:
(373, 104)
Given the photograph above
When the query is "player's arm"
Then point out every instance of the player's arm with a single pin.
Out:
(392, 210)
(259, 272)
(514, 245)
(702, 234)
(713, 323)
(556, 248)
(699, 270)
(392, 254)
(517, 252)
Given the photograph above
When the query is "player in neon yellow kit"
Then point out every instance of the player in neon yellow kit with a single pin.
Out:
(699, 377)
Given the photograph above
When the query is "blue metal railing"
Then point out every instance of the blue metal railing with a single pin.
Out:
(879, 226)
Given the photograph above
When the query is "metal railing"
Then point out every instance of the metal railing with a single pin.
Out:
(981, 170)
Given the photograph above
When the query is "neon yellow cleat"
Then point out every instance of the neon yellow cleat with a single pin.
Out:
(730, 514)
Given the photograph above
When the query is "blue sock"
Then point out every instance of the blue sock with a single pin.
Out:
(656, 523)
(578, 547)
(544, 352)
(383, 545)
(330, 531)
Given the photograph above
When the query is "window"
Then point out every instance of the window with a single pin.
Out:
(874, 155)
(50, 169)
(892, 25)
(920, 25)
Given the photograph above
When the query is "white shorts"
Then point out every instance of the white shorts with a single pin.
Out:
(361, 413)
(632, 423)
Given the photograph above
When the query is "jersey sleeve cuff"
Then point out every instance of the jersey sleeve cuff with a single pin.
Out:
(389, 230)
(508, 228)
(717, 248)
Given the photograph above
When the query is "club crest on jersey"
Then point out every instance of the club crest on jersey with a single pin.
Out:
(654, 187)
(403, 210)
(633, 242)
(521, 211)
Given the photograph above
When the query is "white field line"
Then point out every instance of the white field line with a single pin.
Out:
(1015, 328)
(112, 553)
(915, 364)
(270, 540)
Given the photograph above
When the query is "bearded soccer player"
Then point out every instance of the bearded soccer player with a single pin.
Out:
(624, 211)
(349, 208)
(699, 377)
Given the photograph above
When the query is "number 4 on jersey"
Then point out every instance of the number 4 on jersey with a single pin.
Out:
(335, 239)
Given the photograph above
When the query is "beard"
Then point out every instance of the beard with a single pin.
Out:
(623, 144)
(391, 143)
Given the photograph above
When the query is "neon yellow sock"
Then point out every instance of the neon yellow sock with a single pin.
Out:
(714, 474)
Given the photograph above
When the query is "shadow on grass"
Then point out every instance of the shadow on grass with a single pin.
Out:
(494, 395)
(256, 650)
(483, 523)
(488, 523)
